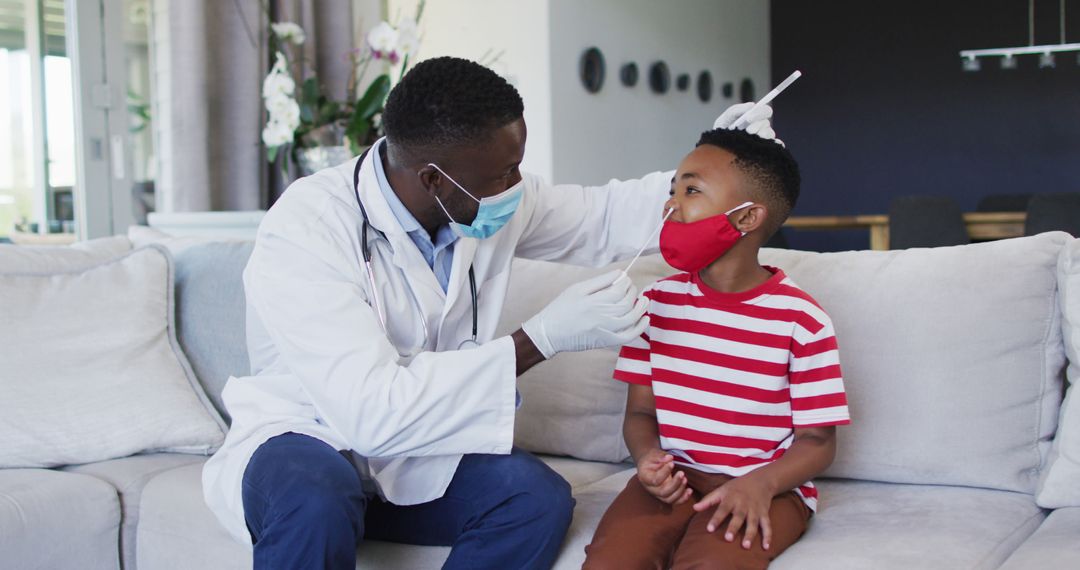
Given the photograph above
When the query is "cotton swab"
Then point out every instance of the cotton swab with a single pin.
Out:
(648, 241)
(741, 121)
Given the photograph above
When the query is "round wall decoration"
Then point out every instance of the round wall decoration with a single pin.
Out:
(746, 90)
(659, 78)
(704, 86)
(591, 69)
(628, 74)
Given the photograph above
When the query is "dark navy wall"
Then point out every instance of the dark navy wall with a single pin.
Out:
(884, 109)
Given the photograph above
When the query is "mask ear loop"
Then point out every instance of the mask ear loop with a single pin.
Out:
(460, 187)
(648, 241)
(736, 209)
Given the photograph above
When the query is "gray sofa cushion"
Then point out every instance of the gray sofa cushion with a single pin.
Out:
(885, 525)
(870, 525)
(953, 358)
(53, 520)
(210, 313)
(128, 476)
(1056, 544)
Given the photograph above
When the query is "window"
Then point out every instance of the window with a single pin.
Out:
(37, 149)
(77, 149)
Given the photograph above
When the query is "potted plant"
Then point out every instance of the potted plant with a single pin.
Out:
(315, 130)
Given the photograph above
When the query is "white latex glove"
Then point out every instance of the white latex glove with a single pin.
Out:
(757, 124)
(597, 313)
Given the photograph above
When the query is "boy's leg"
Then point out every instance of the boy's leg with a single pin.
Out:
(637, 531)
(304, 505)
(500, 511)
(702, 549)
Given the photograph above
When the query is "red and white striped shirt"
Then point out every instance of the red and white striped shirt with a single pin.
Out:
(733, 374)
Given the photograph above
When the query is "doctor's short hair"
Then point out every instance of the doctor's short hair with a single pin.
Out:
(770, 168)
(448, 101)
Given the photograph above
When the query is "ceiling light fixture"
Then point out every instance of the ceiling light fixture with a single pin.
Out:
(1046, 52)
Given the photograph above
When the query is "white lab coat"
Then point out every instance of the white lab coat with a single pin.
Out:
(322, 366)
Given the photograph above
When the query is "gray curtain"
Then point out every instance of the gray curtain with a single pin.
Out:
(210, 83)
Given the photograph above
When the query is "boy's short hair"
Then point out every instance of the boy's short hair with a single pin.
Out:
(770, 167)
(448, 101)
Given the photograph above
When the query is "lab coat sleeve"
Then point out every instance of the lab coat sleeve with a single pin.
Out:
(305, 288)
(593, 225)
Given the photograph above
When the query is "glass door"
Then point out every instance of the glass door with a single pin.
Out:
(37, 162)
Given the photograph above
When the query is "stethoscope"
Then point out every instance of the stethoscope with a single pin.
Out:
(366, 252)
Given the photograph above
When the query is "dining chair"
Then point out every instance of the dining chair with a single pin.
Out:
(778, 240)
(1003, 203)
(925, 221)
(1051, 212)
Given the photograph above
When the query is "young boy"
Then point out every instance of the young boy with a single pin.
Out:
(735, 387)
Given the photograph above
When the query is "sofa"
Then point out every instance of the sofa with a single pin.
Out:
(964, 450)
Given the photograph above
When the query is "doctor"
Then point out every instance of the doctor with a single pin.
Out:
(380, 404)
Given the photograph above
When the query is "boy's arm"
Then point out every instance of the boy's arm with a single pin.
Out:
(747, 499)
(654, 465)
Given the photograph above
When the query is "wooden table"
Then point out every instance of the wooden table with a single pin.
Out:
(980, 225)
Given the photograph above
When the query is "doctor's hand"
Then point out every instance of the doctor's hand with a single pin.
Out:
(756, 124)
(597, 313)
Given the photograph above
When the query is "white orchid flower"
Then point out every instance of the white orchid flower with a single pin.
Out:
(408, 37)
(289, 32)
(278, 81)
(383, 41)
(284, 109)
(276, 134)
(277, 84)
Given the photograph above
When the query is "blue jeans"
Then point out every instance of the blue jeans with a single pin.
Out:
(305, 508)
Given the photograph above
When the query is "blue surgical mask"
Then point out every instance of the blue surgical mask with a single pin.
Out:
(493, 213)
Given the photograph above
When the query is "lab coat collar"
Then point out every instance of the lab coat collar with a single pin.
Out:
(381, 217)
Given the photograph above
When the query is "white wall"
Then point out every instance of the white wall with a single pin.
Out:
(625, 132)
(519, 29)
(620, 132)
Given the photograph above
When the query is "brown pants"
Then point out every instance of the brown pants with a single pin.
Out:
(640, 531)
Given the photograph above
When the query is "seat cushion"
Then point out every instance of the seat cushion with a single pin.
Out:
(128, 476)
(53, 520)
(1056, 543)
(870, 525)
(177, 530)
(581, 473)
(884, 525)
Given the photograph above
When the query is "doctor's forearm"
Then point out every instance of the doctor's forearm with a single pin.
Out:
(527, 353)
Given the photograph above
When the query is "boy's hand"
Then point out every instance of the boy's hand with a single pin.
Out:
(655, 471)
(747, 501)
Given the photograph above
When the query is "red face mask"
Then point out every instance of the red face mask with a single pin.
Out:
(692, 247)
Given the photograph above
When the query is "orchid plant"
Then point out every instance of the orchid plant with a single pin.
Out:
(308, 117)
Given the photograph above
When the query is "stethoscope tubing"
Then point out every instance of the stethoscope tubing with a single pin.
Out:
(365, 249)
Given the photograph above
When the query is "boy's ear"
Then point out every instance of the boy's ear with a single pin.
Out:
(751, 218)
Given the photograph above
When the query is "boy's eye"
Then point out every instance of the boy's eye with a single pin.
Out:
(671, 193)
(691, 190)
